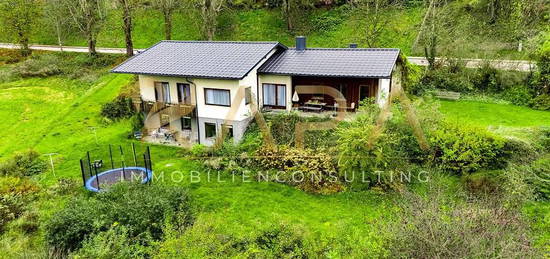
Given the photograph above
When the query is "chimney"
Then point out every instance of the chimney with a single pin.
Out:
(353, 45)
(300, 43)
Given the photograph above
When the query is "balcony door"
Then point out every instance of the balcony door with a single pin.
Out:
(184, 93)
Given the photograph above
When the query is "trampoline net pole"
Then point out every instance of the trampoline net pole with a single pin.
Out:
(134, 151)
(83, 173)
(89, 163)
(111, 155)
(97, 178)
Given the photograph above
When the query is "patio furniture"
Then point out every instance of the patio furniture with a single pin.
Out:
(314, 106)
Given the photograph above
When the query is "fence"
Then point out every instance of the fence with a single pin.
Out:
(103, 167)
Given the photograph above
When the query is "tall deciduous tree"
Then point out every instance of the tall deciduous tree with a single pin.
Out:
(18, 18)
(128, 7)
(58, 16)
(209, 11)
(88, 16)
(167, 7)
(376, 20)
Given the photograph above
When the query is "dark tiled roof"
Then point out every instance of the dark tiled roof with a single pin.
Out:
(344, 62)
(200, 59)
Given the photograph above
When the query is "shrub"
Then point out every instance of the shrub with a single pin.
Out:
(113, 243)
(283, 129)
(539, 177)
(444, 224)
(309, 170)
(446, 79)
(11, 207)
(464, 148)
(119, 108)
(26, 163)
(42, 65)
(143, 210)
(541, 102)
(210, 241)
(518, 95)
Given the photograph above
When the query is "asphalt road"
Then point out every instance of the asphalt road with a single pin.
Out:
(517, 65)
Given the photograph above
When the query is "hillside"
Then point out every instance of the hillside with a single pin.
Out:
(464, 33)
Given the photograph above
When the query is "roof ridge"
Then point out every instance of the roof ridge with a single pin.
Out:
(207, 41)
(352, 49)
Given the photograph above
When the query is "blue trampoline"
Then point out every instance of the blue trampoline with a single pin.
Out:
(110, 177)
(97, 178)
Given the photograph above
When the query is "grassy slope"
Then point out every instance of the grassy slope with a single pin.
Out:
(489, 114)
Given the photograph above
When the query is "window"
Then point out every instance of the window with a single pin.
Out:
(184, 93)
(229, 129)
(162, 92)
(185, 123)
(274, 95)
(210, 129)
(217, 97)
(247, 95)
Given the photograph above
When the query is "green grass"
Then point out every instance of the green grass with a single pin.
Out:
(495, 115)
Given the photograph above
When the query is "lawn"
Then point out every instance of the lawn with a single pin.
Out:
(57, 115)
(494, 115)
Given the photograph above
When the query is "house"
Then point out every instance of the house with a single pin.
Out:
(194, 88)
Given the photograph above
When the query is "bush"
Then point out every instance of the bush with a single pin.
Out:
(143, 210)
(42, 65)
(210, 241)
(541, 102)
(26, 163)
(539, 177)
(113, 243)
(309, 170)
(518, 95)
(15, 194)
(446, 224)
(464, 148)
(120, 108)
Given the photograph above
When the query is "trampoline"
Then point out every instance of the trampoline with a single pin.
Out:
(110, 177)
(99, 173)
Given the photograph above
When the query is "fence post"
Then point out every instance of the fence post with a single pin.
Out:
(111, 155)
(146, 168)
(134, 151)
(89, 163)
(149, 164)
(97, 178)
(82, 170)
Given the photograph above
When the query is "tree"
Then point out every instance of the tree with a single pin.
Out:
(376, 20)
(58, 15)
(128, 7)
(292, 9)
(167, 7)
(88, 16)
(432, 27)
(209, 11)
(18, 18)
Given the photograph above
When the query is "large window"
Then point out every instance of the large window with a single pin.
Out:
(274, 95)
(210, 129)
(217, 97)
(184, 93)
(162, 92)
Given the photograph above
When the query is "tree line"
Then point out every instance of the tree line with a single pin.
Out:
(88, 17)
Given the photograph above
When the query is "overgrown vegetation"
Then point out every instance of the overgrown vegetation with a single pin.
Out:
(128, 212)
